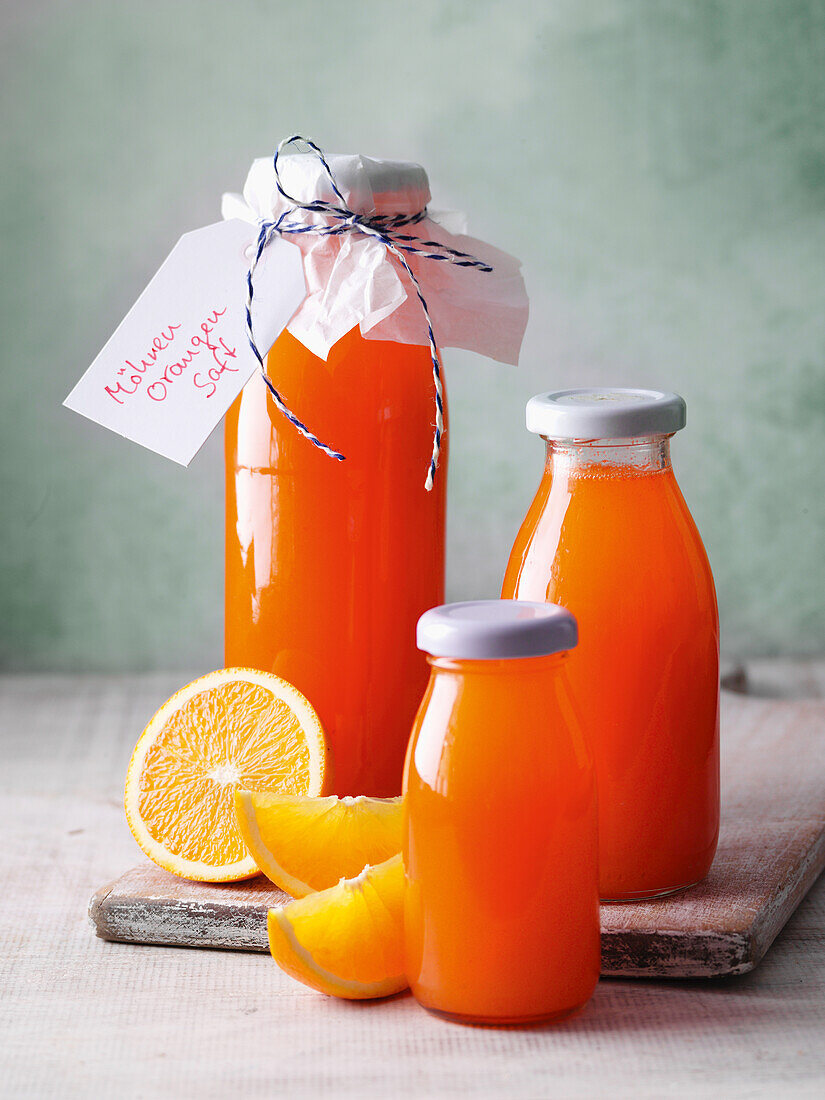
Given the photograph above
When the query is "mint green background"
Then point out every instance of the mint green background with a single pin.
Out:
(658, 166)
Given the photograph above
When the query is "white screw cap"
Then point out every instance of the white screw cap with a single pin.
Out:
(492, 629)
(605, 413)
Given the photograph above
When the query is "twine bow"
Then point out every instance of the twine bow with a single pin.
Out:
(339, 219)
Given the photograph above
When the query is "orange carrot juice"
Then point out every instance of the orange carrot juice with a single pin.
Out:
(329, 564)
(501, 910)
(609, 536)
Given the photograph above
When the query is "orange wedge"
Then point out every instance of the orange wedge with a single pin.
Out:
(232, 728)
(347, 941)
(308, 844)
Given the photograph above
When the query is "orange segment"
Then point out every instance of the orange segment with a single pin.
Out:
(347, 941)
(307, 844)
(231, 728)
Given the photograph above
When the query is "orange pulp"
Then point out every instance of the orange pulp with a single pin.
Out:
(501, 907)
(329, 564)
(614, 543)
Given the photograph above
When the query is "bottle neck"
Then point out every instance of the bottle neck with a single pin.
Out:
(495, 666)
(647, 454)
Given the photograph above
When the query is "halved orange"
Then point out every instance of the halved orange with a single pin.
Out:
(236, 727)
(308, 844)
(347, 941)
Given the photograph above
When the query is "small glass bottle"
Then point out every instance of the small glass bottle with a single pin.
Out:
(609, 536)
(500, 849)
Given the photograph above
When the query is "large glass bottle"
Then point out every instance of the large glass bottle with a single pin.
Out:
(329, 564)
(610, 537)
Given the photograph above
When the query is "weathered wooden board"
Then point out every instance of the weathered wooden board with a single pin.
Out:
(771, 849)
(149, 905)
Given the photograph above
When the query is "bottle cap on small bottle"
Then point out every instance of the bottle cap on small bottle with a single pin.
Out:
(495, 629)
(603, 413)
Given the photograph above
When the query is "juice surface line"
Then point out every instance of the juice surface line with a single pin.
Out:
(501, 918)
(329, 564)
(610, 537)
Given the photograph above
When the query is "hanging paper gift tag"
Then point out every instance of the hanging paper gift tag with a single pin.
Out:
(181, 355)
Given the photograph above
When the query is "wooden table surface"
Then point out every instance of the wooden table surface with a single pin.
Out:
(78, 1015)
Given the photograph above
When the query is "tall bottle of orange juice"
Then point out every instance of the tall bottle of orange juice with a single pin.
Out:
(610, 537)
(330, 562)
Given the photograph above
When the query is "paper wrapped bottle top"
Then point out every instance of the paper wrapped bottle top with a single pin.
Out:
(353, 279)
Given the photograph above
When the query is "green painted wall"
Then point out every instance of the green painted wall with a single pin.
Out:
(659, 166)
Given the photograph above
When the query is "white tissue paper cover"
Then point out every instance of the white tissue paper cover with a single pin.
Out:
(353, 279)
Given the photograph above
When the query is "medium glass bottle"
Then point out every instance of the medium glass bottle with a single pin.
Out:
(501, 912)
(610, 537)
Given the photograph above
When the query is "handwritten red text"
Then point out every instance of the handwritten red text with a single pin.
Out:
(130, 375)
(220, 354)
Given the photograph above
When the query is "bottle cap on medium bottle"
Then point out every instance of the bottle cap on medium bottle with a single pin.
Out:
(602, 413)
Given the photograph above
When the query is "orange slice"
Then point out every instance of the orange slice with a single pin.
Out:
(232, 728)
(307, 844)
(347, 941)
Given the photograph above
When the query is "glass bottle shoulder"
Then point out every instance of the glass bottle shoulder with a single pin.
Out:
(603, 519)
(477, 715)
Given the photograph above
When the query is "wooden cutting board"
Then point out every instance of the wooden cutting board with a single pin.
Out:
(771, 849)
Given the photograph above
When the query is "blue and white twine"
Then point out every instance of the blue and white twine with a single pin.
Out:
(383, 228)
